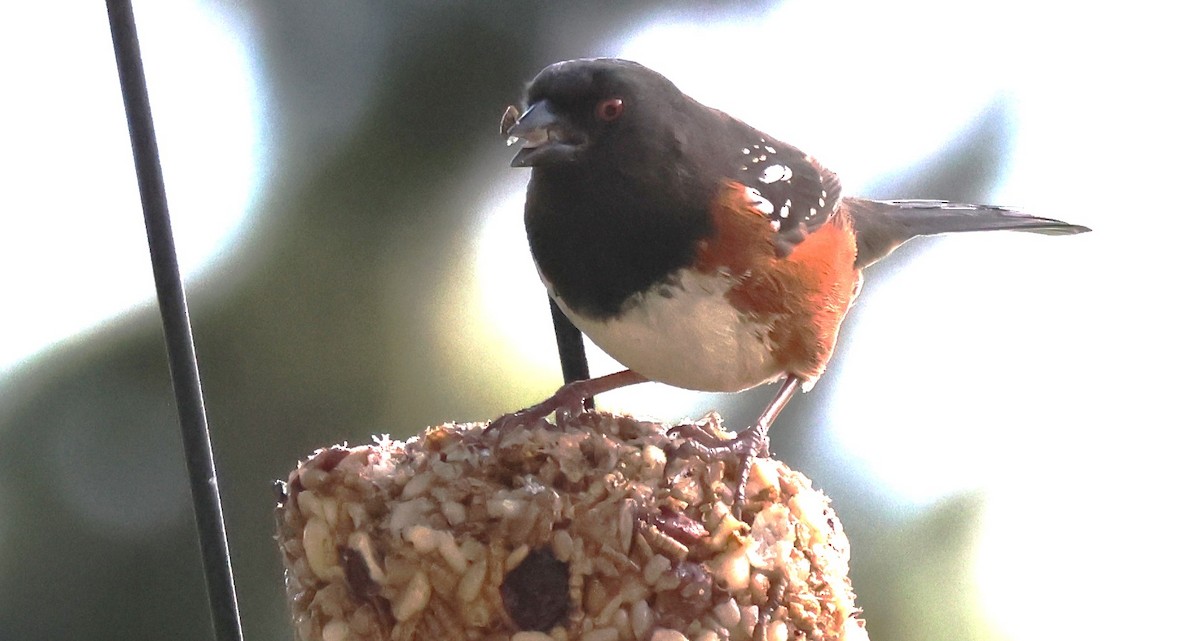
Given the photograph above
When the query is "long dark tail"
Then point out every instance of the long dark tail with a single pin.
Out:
(883, 225)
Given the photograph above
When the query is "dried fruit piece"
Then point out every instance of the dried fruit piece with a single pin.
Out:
(535, 592)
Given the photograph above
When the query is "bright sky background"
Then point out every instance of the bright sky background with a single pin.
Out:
(1105, 136)
(72, 242)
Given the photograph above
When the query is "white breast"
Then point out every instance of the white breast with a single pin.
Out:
(686, 334)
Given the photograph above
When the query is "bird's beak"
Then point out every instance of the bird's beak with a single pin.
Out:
(544, 138)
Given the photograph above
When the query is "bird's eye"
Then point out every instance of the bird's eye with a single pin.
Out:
(609, 110)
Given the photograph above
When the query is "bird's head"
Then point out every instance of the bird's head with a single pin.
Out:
(579, 112)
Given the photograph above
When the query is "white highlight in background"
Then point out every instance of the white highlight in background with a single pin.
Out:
(72, 241)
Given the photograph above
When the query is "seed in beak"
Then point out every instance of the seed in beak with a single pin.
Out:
(510, 117)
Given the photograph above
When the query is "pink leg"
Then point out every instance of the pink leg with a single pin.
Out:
(568, 400)
(774, 600)
(752, 442)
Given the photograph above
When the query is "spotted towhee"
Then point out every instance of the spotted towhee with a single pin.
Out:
(693, 248)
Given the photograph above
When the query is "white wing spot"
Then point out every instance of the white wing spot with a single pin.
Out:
(775, 225)
(775, 173)
(756, 199)
(746, 150)
(769, 149)
(783, 213)
(820, 202)
(812, 212)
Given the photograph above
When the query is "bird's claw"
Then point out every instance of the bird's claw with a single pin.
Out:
(742, 449)
(705, 442)
(567, 411)
(566, 404)
(513, 420)
(703, 432)
(774, 601)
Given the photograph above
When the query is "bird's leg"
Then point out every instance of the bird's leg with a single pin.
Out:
(774, 600)
(746, 446)
(568, 400)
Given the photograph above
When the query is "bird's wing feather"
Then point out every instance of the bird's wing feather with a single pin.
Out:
(883, 225)
(787, 186)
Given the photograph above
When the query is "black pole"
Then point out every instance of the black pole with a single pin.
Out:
(570, 349)
(181, 353)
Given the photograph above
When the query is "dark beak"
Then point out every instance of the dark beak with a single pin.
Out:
(545, 139)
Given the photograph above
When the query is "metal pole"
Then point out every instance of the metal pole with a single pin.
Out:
(181, 353)
(570, 349)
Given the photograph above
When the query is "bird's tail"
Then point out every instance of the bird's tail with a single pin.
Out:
(883, 225)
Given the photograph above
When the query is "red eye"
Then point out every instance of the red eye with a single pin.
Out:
(609, 110)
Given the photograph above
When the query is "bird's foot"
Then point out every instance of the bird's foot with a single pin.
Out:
(566, 403)
(765, 611)
(748, 445)
(706, 432)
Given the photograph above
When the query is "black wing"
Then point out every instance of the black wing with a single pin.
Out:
(789, 187)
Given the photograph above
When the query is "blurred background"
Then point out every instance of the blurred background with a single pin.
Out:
(1007, 431)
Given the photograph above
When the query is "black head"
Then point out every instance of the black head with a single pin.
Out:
(599, 109)
(625, 167)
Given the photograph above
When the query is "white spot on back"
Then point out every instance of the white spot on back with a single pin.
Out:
(760, 203)
(774, 173)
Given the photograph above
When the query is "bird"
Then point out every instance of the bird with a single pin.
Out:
(694, 249)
